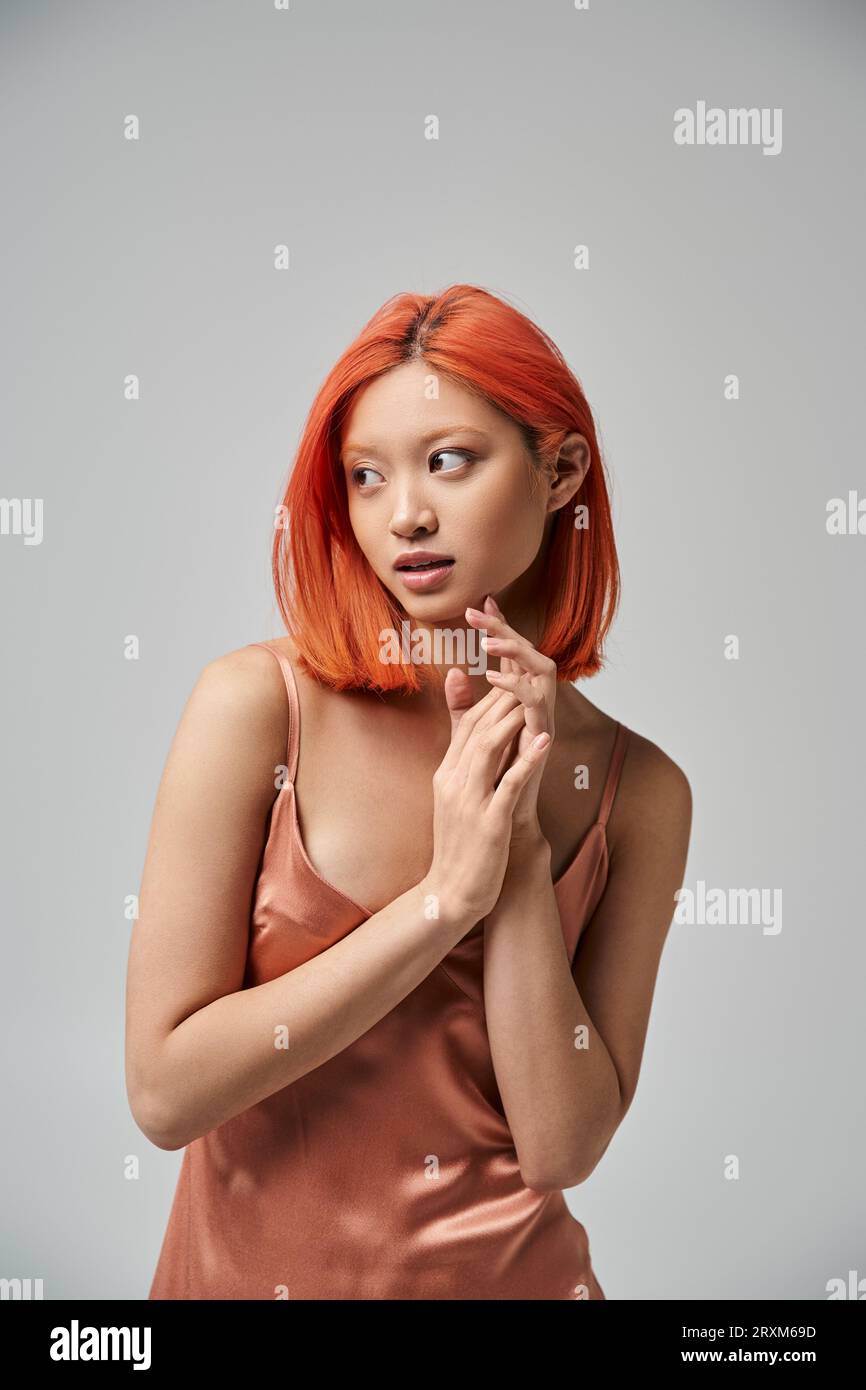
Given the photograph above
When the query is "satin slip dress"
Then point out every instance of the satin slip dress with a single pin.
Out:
(389, 1171)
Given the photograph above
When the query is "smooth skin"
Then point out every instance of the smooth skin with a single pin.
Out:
(199, 1047)
(564, 1088)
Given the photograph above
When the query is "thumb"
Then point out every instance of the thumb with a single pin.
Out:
(458, 695)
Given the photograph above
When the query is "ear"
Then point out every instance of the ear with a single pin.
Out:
(570, 467)
(458, 695)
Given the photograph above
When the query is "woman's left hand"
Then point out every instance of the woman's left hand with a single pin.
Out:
(531, 677)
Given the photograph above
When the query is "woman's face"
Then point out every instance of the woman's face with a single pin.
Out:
(450, 475)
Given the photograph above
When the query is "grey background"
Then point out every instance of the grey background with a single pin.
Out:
(156, 257)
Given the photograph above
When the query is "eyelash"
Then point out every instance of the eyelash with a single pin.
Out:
(366, 467)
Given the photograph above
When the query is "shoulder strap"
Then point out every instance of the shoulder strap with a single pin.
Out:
(613, 772)
(294, 707)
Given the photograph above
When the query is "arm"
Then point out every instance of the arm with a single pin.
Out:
(565, 1102)
(199, 1047)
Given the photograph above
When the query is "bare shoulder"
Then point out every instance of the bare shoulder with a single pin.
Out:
(653, 790)
(654, 797)
(237, 711)
(231, 735)
(247, 684)
(651, 784)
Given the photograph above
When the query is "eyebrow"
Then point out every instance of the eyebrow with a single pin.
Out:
(439, 433)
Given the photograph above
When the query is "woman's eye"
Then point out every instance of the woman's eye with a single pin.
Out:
(363, 468)
(459, 454)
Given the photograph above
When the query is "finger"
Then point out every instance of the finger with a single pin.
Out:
(464, 711)
(507, 666)
(512, 784)
(492, 607)
(495, 628)
(531, 696)
(484, 754)
(458, 695)
(465, 717)
(507, 704)
(522, 651)
(515, 779)
(508, 753)
(505, 641)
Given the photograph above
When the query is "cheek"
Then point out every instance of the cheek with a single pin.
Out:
(372, 539)
(513, 521)
(365, 532)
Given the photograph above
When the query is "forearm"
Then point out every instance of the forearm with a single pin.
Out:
(243, 1047)
(558, 1083)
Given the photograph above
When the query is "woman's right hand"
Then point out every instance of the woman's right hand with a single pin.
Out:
(472, 804)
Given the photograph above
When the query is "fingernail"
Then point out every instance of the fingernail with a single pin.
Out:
(541, 741)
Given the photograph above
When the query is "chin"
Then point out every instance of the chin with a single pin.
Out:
(441, 609)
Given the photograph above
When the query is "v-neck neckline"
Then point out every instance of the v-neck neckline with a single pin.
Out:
(368, 912)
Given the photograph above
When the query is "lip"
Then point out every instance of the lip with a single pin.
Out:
(421, 580)
(417, 557)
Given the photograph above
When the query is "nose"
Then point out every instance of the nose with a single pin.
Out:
(412, 511)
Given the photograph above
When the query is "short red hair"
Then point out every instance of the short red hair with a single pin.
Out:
(332, 603)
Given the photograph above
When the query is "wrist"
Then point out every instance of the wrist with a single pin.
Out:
(528, 844)
(527, 876)
(529, 850)
(451, 914)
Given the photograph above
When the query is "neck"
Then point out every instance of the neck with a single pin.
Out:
(519, 604)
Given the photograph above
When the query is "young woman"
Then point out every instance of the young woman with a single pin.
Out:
(401, 916)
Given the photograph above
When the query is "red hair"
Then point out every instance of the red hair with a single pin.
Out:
(332, 603)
